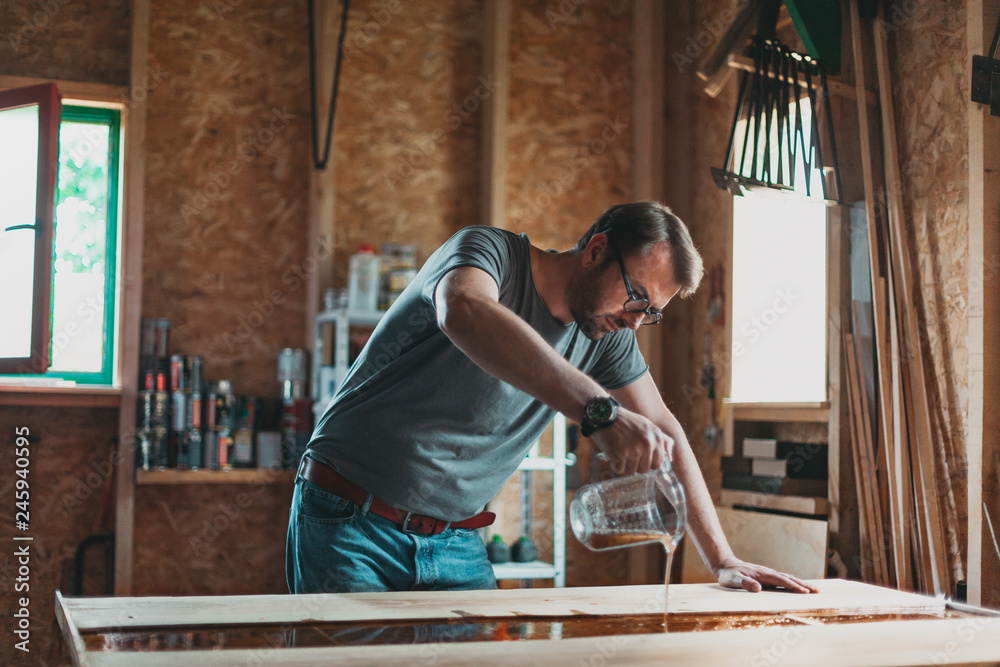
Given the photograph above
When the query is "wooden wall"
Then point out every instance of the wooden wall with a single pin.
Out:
(227, 185)
(66, 40)
(569, 136)
(71, 494)
(226, 260)
(407, 125)
(71, 463)
(696, 139)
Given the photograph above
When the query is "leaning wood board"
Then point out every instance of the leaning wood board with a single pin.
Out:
(964, 641)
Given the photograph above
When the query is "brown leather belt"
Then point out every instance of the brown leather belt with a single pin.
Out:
(330, 480)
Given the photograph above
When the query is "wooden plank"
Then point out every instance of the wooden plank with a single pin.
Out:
(84, 91)
(969, 641)
(714, 71)
(901, 565)
(917, 404)
(90, 614)
(62, 397)
(648, 56)
(796, 504)
(780, 412)
(134, 122)
(983, 445)
(496, 62)
(865, 513)
(834, 86)
(838, 293)
(69, 630)
(322, 221)
(787, 544)
(871, 468)
(236, 476)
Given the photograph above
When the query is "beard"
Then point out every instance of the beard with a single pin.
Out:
(582, 300)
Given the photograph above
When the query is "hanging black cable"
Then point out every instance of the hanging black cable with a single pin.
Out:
(320, 163)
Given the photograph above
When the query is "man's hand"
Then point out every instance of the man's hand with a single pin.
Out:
(750, 577)
(633, 444)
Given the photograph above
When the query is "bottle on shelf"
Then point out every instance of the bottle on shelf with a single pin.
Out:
(363, 284)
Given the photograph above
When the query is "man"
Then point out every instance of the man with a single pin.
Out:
(462, 375)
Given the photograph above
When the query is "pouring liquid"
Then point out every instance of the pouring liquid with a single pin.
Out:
(614, 539)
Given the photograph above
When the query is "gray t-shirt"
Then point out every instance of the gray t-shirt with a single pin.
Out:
(419, 424)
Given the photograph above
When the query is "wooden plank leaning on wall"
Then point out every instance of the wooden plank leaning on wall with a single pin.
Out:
(648, 57)
(984, 327)
(496, 64)
(134, 118)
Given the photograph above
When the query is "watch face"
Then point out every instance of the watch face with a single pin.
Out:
(600, 411)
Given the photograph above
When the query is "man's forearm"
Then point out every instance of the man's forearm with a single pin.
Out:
(503, 345)
(703, 522)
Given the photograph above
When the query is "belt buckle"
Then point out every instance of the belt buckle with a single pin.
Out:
(405, 524)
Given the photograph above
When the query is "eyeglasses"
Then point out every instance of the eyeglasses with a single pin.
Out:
(635, 303)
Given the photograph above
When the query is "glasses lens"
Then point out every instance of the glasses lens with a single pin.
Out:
(651, 318)
(636, 305)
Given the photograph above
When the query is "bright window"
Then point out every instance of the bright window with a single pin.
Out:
(84, 275)
(779, 295)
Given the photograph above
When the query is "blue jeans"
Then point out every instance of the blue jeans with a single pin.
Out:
(335, 546)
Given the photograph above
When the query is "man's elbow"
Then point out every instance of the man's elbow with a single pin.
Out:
(455, 313)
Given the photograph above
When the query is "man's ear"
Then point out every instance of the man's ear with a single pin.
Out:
(594, 253)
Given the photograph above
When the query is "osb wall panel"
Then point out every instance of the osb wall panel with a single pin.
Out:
(407, 125)
(931, 87)
(569, 134)
(71, 469)
(226, 260)
(76, 41)
(706, 210)
(227, 181)
(211, 540)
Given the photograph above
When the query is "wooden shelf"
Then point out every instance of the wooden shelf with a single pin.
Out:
(533, 570)
(766, 501)
(62, 396)
(780, 412)
(237, 476)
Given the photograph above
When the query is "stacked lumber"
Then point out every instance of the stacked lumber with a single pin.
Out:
(900, 508)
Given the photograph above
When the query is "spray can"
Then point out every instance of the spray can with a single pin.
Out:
(192, 433)
(220, 425)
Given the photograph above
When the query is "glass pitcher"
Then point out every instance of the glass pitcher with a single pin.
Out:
(625, 511)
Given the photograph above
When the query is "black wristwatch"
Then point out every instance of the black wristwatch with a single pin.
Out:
(600, 412)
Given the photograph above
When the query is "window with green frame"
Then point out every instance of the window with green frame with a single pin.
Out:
(84, 303)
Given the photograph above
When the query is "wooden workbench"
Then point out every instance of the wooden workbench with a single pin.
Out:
(971, 639)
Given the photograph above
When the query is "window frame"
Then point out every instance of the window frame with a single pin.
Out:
(80, 111)
(46, 96)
